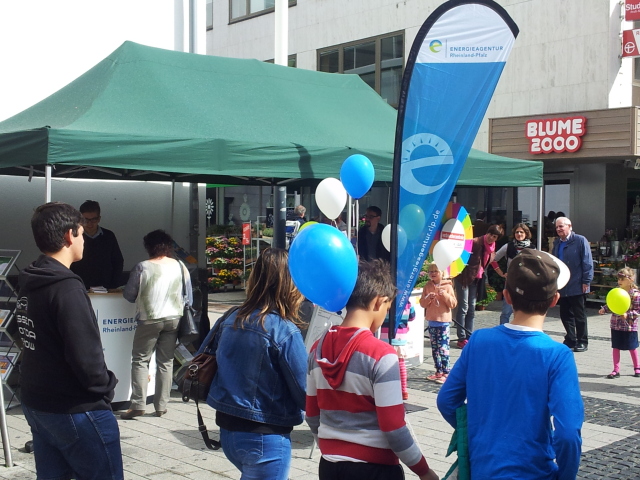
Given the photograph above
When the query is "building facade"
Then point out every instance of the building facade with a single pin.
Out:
(565, 62)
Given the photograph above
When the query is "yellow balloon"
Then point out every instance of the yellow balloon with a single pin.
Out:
(618, 301)
(305, 225)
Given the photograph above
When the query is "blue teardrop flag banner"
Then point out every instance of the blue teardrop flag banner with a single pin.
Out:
(452, 71)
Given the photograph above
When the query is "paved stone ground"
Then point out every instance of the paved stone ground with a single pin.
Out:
(170, 447)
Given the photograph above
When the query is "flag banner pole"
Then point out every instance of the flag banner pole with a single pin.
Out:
(452, 71)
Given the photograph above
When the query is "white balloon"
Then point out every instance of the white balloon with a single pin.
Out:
(444, 253)
(386, 237)
(453, 233)
(564, 275)
(331, 197)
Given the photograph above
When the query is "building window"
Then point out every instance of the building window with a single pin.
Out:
(379, 62)
(243, 9)
(292, 61)
(209, 14)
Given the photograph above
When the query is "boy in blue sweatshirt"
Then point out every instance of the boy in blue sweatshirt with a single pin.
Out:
(515, 379)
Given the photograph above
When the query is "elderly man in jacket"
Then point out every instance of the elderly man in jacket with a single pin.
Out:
(575, 252)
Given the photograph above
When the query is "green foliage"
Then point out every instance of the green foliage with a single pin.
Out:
(491, 296)
(226, 230)
(423, 277)
(267, 232)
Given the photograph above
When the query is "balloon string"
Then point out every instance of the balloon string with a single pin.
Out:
(357, 215)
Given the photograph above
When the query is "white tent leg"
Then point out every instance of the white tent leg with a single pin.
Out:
(47, 183)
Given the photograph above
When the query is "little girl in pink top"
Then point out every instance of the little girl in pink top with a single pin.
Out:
(438, 299)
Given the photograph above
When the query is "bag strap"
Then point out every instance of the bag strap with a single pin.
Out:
(217, 325)
(184, 284)
(202, 428)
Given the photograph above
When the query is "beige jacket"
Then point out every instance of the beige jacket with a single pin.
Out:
(438, 305)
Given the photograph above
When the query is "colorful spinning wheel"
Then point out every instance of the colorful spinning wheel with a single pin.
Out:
(457, 229)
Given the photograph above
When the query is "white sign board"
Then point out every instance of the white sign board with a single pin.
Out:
(117, 324)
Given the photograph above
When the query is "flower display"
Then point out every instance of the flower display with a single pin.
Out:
(220, 262)
(216, 283)
(491, 296)
(226, 256)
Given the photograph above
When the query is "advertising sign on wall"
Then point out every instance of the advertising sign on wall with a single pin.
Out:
(555, 134)
(631, 10)
(630, 42)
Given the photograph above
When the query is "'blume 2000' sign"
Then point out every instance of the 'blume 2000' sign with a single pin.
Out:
(556, 134)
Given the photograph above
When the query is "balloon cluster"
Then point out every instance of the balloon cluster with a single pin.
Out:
(322, 261)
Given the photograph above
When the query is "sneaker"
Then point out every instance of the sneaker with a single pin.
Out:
(462, 343)
(613, 374)
(436, 376)
(442, 379)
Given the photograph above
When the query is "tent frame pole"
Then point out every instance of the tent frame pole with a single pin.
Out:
(47, 183)
(540, 216)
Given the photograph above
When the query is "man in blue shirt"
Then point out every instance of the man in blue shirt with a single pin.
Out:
(515, 380)
(575, 252)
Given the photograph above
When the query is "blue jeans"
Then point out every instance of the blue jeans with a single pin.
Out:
(256, 455)
(466, 312)
(507, 310)
(77, 445)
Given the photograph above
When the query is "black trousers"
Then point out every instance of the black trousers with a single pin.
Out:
(573, 313)
(359, 471)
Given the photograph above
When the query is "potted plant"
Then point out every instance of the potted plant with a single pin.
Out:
(491, 296)
(423, 277)
(215, 283)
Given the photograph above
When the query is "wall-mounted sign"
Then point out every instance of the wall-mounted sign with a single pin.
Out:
(631, 10)
(555, 134)
(630, 42)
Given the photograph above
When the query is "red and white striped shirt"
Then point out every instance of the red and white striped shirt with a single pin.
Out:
(354, 401)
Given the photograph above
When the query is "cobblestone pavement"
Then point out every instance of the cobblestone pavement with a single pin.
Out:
(611, 404)
(170, 447)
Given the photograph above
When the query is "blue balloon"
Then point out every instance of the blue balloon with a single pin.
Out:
(324, 266)
(356, 174)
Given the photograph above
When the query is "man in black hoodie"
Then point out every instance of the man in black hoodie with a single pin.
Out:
(66, 387)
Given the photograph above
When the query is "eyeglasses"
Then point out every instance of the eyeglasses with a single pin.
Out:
(92, 219)
(369, 217)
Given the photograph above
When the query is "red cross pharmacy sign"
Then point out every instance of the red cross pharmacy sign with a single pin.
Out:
(630, 40)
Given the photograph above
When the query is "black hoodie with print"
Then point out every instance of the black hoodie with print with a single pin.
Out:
(62, 368)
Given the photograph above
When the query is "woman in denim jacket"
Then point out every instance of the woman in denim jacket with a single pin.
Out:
(259, 390)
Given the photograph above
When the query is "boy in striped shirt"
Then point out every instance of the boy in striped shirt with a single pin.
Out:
(354, 397)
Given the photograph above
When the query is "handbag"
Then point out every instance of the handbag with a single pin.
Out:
(198, 376)
(187, 327)
(481, 291)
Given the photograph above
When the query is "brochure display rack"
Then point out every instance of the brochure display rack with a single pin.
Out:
(10, 346)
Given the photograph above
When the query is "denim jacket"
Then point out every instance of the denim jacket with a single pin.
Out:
(261, 372)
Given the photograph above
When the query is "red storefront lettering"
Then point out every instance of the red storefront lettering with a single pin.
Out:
(555, 134)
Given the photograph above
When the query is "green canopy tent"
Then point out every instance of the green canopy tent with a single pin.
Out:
(150, 114)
